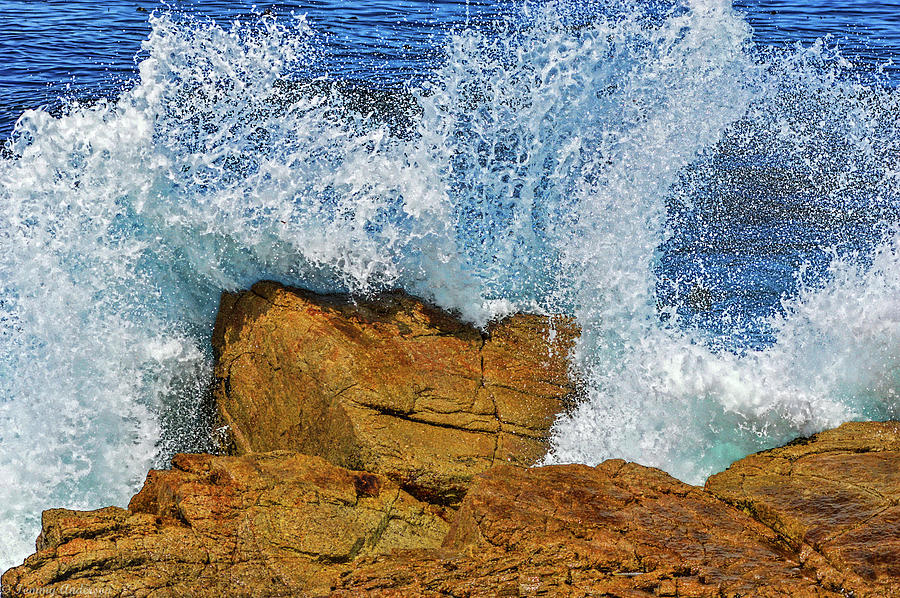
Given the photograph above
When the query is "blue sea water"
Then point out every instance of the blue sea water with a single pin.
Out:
(57, 49)
(711, 189)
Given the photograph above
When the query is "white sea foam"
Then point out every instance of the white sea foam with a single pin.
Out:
(534, 175)
(660, 394)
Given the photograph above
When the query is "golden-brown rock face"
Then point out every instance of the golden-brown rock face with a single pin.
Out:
(278, 524)
(834, 497)
(619, 529)
(393, 386)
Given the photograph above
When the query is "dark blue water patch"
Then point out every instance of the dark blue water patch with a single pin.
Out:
(749, 215)
(51, 49)
(866, 32)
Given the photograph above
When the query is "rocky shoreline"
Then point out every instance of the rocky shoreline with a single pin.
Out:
(383, 448)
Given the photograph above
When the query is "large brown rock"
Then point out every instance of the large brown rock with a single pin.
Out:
(835, 497)
(618, 529)
(392, 386)
(276, 524)
(814, 518)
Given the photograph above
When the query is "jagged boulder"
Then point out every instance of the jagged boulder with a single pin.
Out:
(834, 497)
(275, 524)
(392, 386)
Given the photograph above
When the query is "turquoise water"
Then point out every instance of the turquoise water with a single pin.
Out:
(712, 190)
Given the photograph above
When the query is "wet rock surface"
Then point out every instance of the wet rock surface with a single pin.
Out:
(834, 497)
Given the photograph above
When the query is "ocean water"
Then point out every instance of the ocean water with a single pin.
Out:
(712, 189)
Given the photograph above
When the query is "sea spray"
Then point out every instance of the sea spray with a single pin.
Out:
(677, 87)
(124, 220)
(810, 161)
(553, 164)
